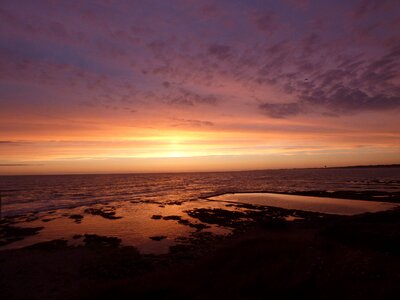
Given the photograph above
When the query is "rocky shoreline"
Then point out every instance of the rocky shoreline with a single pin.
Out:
(267, 253)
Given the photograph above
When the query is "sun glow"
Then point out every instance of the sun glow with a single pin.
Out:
(177, 154)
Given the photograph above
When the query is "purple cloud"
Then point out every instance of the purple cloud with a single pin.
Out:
(125, 56)
(281, 110)
(266, 22)
(221, 52)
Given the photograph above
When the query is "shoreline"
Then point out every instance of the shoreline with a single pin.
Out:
(267, 250)
(283, 253)
(164, 223)
(186, 214)
(372, 195)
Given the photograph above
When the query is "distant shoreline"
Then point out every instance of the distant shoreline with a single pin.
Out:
(191, 172)
(362, 166)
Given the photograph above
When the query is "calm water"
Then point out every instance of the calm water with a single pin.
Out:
(23, 194)
(306, 203)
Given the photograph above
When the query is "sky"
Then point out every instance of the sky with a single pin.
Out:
(182, 85)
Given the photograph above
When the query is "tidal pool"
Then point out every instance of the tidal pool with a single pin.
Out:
(138, 224)
(307, 203)
(153, 227)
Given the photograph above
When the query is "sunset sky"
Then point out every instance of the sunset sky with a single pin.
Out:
(184, 85)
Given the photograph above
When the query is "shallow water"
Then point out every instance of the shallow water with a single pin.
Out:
(307, 203)
(135, 225)
(49, 201)
(21, 194)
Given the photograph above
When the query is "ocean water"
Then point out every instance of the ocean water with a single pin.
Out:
(24, 194)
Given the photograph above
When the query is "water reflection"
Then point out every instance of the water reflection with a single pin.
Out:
(307, 203)
(135, 224)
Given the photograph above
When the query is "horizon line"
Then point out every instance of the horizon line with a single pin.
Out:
(221, 171)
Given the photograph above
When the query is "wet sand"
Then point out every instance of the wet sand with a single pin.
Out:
(219, 250)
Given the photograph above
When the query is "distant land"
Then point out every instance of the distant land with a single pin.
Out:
(364, 166)
(220, 171)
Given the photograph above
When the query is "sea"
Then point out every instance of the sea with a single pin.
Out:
(38, 193)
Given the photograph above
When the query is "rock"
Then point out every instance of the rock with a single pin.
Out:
(217, 216)
(77, 218)
(48, 220)
(101, 241)
(198, 226)
(176, 218)
(157, 237)
(49, 245)
(105, 213)
(173, 203)
(14, 231)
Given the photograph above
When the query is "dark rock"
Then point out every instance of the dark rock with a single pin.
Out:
(94, 240)
(176, 218)
(198, 226)
(156, 217)
(77, 218)
(31, 219)
(173, 203)
(251, 206)
(9, 240)
(217, 216)
(48, 220)
(49, 245)
(105, 213)
(14, 231)
(157, 237)
(184, 222)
